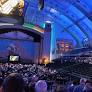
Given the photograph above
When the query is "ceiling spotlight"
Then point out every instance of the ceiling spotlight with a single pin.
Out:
(48, 21)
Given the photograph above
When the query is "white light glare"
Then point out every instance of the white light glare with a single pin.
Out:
(8, 6)
(48, 21)
(53, 10)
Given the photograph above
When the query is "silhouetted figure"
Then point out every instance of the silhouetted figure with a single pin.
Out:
(13, 83)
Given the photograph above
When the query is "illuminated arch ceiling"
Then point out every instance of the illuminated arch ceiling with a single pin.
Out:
(74, 17)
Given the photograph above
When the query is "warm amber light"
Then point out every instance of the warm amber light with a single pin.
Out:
(45, 60)
(21, 4)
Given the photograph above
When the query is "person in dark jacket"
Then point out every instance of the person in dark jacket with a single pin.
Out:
(71, 87)
(13, 83)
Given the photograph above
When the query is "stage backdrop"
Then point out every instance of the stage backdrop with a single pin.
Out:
(27, 50)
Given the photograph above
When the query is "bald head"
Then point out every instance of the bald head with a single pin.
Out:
(41, 86)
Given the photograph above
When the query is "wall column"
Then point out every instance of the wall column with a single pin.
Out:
(47, 42)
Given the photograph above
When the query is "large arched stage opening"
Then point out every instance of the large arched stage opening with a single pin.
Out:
(29, 49)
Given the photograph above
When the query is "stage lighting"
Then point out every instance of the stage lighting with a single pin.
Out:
(7, 6)
(11, 11)
(48, 21)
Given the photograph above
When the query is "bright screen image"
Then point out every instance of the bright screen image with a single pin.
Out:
(14, 58)
(11, 7)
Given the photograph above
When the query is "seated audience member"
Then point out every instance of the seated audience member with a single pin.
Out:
(80, 87)
(72, 86)
(88, 86)
(41, 86)
(60, 87)
(13, 83)
(31, 85)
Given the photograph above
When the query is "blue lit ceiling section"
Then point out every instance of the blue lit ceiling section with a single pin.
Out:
(74, 13)
(85, 4)
(70, 18)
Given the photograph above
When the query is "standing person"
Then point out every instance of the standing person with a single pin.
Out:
(80, 87)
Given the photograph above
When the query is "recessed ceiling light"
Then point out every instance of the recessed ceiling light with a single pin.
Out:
(48, 21)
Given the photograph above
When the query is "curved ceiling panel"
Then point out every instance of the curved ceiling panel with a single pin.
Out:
(64, 20)
(66, 23)
(77, 31)
(86, 4)
(73, 15)
(85, 8)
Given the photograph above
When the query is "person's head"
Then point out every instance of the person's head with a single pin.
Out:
(83, 81)
(88, 85)
(41, 86)
(60, 87)
(34, 79)
(75, 82)
(13, 83)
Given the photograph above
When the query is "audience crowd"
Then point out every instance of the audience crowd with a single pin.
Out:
(38, 78)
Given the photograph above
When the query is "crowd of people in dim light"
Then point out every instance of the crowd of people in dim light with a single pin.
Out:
(37, 78)
(82, 59)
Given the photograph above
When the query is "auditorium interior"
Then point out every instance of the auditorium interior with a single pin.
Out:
(46, 45)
